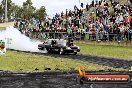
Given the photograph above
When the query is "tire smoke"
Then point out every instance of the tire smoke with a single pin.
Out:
(17, 41)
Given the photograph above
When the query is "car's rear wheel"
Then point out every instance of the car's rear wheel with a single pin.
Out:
(48, 50)
(75, 53)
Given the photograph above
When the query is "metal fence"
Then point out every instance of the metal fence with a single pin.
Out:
(83, 36)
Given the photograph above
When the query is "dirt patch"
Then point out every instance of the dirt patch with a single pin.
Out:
(112, 62)
(50, 80)
(4, 25)
(105, 61)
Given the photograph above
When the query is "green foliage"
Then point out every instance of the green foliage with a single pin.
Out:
(119, 52)
(28, 3)
(16, 10)
(27, 11)
(2, 8)
(40, 13)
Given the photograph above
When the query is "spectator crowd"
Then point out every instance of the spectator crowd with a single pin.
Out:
(102, 20)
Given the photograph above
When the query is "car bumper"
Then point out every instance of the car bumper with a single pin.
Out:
(71, 50)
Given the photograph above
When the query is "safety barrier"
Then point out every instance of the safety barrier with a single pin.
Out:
(83, 36)
(87, 36)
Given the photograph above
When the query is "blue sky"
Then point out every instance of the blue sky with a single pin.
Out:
(54, 6)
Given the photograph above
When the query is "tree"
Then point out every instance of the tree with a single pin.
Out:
(16, 11)
(9, 5)
(1, 13)
(28, 10)
(1, 10)
(41, 13)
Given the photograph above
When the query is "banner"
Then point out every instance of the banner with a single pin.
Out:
(101, 78)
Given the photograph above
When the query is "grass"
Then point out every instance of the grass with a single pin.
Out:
(2, 28)
(119, 52)
(26, 62)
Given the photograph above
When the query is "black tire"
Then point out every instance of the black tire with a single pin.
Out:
(48, 50)
(75, 53)
(41, 48)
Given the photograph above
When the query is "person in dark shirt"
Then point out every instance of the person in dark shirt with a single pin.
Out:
(118, 34)
(53, 20)
(62, 14)
(66, 13)
(129, 33)
(80, 13)
(70, 13)
(99, 2)
(93, 3)
(114, 18)
(87, 7)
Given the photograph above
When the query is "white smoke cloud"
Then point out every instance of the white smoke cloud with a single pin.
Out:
(17, 41)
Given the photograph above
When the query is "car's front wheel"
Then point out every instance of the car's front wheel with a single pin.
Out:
(49, 50)
(41, 48)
